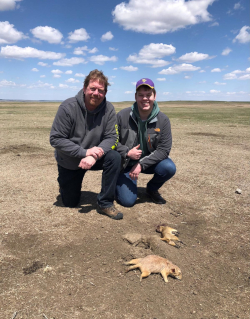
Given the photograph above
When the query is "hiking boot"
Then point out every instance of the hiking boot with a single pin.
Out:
(111, 212)
(156, 197)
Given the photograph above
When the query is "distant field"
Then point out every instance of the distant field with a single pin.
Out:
(206, 111)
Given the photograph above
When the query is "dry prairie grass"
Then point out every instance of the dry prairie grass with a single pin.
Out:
(68, 263)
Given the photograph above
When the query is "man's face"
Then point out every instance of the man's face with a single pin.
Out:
(94, 94)
(145, 100)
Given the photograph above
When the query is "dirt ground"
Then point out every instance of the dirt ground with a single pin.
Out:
(60, 263)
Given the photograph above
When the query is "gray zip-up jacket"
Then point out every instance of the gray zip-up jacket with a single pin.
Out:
(159, 137)
(75, 130)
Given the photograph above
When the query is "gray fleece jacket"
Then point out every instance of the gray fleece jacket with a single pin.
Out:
(75, 130)
(159, 138)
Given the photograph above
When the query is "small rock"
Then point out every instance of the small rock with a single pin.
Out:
(238, 191)
(47, 269)
(132, 238)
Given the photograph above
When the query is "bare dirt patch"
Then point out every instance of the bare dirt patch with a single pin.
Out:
(69, 263)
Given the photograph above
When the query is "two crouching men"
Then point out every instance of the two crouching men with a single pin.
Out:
(85, 135)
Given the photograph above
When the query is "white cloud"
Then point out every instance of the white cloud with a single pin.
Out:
(80, 50)
(107, 36)
(8, 5)
(113, 49)
(230, 76)
(187, 77)
(72, 80)
(63, 86)
(202, 71)
(133, 83)
(194, 57)
(42, 63)
(56, 71)
(166, 93)
(15, 52)
(94, 50)
(35, 70)
(202, 82)
(226, 51)
(69, 62)
(7, 83)
(216, 70)
(48, 34)
(129, 68)
(78, 35)
(238, 6)
(244, 35)
(160, 16)
(231, 93)
(42, 76)
(80, 75)
(218, 83)
(215, 24)
(69, 72)
(234, 75)
(238, 71)
(161, 79)
(152, 54)
(244, 77)
(56, 76)
(40, 84)
(214, 91)
(128, 92)
(115, 69)
(8, 34)
(179, 68)
(101, 59)
(196, 93)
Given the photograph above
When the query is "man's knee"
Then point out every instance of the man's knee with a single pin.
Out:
(167, 167)
(113, 157)
(127, 201)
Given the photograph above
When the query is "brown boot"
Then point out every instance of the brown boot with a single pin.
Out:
(111, 212)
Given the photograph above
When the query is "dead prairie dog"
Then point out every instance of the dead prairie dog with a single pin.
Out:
(168, 234)
(155, 264)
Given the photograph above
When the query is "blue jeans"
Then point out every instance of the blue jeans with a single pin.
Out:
(126, 188)
(70, 181)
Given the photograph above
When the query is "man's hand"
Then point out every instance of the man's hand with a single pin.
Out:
(135, 171)
(96, 152)
(135, 153)
(87, 162)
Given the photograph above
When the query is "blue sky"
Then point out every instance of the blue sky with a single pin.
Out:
(192, 50)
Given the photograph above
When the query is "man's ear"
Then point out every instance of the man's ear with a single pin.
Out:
(84, 90)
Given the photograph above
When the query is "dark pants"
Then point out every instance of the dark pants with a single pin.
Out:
(70, 181)
(126, 188)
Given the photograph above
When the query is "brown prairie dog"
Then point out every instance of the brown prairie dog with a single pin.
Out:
(168, 234)
(155, 264)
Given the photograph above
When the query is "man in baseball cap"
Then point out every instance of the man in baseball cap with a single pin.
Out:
(145, 141)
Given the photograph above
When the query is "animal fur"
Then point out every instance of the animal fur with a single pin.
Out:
(168, 234)
(155, 264)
